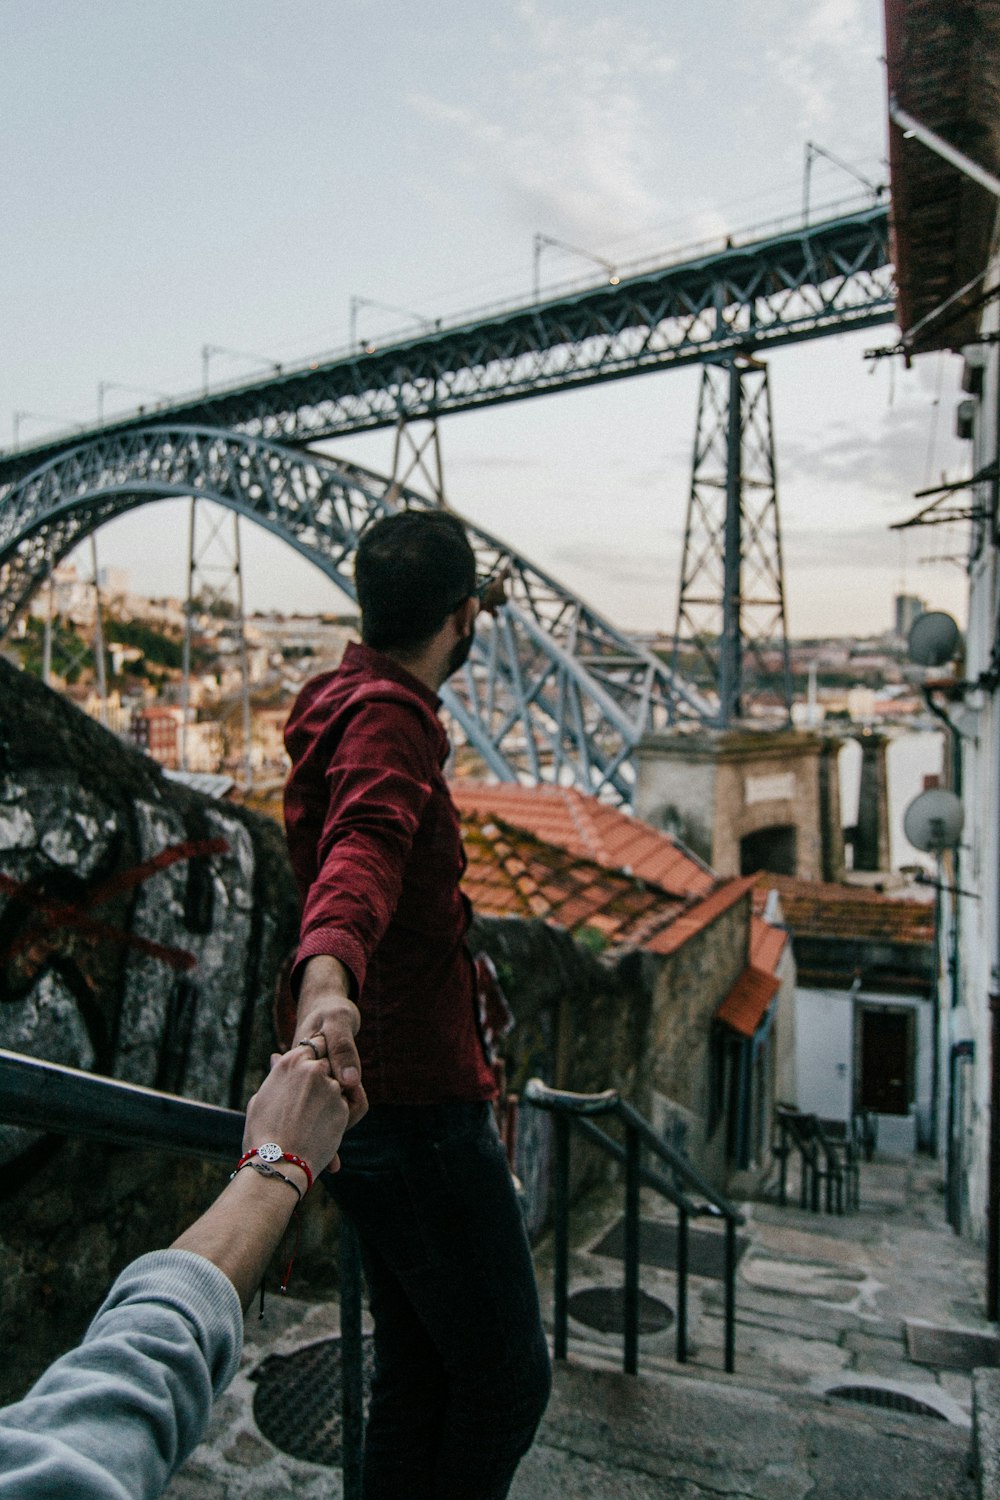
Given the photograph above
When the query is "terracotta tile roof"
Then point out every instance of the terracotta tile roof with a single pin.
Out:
(590, 830)
(696, 918)
(748, 1001)
(820, 909)
(513, 873)
(767, 944)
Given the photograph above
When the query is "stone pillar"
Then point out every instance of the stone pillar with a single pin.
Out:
(831, 825)
(871, 839)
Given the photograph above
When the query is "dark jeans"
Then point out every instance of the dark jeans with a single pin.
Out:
(462, 1371)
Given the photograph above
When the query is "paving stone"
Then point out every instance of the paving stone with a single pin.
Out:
(870, 1463)
(860, 1342)
(802, 1327)
(898, 1368)
(785, 1241)
(958, 1385)
(806, 1280)
(548, 1472)
(773, 1303)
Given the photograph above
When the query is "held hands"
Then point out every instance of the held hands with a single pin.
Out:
(302, 1107)
(328, 1021)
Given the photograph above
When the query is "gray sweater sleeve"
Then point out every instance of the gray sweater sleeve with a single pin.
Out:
(117, 1416)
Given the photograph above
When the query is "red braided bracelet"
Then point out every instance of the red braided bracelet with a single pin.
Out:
(270, 1152)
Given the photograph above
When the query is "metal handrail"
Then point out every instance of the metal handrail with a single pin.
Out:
(572, 1109)
(823, 1158)
(66, 1101)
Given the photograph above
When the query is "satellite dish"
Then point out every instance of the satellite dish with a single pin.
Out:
(934, 639)
(933, 821)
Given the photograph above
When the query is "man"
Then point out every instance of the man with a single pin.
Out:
(116, 1417)
(462, 1369)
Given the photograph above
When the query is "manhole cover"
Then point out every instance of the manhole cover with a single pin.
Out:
(297, 1403)
(658, 1247)
(603, 1308)
(953, 1348)
(876, 1395)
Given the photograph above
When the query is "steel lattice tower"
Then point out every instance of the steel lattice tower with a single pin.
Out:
(731, 605)
(215, 585)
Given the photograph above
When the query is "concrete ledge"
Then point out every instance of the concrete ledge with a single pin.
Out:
(986, 1432)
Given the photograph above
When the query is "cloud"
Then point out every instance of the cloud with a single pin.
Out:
(615, 565)
(815, 46)
(473, 463)
(565, 131)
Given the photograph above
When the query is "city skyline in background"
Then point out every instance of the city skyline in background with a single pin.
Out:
(236, 176)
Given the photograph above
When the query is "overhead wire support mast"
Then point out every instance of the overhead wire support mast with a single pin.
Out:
(877, 189)
(542, 240)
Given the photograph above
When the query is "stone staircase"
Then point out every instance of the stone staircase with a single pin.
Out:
(824, 1304)
(624, 1438)
(821, 1301)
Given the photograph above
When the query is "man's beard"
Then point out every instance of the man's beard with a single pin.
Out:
(460, 653)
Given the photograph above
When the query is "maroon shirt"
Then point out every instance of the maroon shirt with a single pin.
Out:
(376, 847)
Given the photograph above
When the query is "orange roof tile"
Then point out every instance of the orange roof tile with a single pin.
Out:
(589, 829)
(513, 873)
(696, 918)
(822, 909)
(767, 944)
(748, 1001)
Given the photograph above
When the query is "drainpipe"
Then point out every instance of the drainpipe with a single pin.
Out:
(993, 1211)
(950, 947)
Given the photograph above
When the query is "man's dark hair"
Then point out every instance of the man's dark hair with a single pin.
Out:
(412, 570)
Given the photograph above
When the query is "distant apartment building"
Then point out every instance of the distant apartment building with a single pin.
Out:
(908, 609)
(156, 730)
(160, 731)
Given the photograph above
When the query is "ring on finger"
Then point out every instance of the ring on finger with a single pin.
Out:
(307, 1041)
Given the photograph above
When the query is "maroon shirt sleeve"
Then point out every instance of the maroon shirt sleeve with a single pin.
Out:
(379, 781)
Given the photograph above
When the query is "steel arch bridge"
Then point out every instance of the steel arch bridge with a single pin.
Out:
(552, 691)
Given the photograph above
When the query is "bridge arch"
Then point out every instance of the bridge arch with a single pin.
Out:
(552, 691)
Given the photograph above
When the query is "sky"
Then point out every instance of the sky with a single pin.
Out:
(234, 173)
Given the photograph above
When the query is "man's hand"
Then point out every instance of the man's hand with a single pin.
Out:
(326, 1010)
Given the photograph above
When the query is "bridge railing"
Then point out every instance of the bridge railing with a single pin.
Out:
(66, 1101)
(689, 1192)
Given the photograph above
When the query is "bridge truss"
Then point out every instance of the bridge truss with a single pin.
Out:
(805, 283)
(552, 691)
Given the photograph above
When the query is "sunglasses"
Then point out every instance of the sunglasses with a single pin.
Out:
(491, 592)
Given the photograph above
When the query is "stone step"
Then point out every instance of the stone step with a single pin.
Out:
(667, 1435)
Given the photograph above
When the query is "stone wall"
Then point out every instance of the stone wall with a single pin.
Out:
(142, 927)
(691, 985)
(582, 1023)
